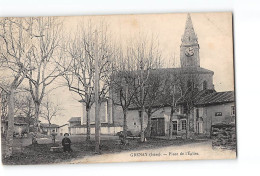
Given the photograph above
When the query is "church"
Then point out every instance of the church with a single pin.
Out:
(209, 107)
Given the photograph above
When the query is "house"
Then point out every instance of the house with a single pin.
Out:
(48, 129)
(213, 109)
(21, 125)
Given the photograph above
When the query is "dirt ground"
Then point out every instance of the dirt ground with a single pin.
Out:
(41, 154)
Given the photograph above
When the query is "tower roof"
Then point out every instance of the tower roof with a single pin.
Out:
(189, 37)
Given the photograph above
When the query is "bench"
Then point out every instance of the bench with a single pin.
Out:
(56, 149)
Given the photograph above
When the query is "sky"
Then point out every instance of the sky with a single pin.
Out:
(214, 31)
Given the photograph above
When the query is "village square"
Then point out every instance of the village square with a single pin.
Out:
(73, 96)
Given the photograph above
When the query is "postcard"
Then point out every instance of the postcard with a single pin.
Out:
(117, 88)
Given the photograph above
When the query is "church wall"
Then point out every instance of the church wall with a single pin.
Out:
(206, 77)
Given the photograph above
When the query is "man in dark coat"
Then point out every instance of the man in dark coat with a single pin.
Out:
(66, 143)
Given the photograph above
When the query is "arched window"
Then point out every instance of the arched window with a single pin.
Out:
(205, 85)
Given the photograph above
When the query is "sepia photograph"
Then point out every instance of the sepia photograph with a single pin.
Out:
(117, 88)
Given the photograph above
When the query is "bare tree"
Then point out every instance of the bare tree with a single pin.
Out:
(154, 95)
(89, 68)
(80, 68)
(174, 93)
(50, 110)
(192, 78)
(123, 84)
(103, 54)
(24, 106)
(147, 55)
(46, 52)
(183, 86)
(15, 48)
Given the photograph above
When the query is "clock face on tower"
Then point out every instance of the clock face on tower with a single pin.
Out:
(189, 52)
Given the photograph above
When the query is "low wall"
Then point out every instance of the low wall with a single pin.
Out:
(224, 136)
(103, 130)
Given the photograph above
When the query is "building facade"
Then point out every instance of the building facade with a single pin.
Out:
(214, 109)
(198, 120)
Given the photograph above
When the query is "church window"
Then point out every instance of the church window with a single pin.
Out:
(205, 85)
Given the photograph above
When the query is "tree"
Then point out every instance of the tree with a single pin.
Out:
(190, 93)
(15, 48)
(79, 68)
(183, 88)
(174, 93)
(45, 54)
(103, 54)
(88, 68)
(154, 95)
(24, 106)
(146, 55)
(50, 110)
(123, 84)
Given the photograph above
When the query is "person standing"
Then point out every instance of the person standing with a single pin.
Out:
(66, 142)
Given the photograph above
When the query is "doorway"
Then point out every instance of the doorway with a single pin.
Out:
(174, 127)
(158, 127)
(200, 127)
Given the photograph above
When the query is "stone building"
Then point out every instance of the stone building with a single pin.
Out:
(192, 76)
(213, 109)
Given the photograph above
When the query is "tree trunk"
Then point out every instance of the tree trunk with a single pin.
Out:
(97, 129)
(10, 129)
(35, 125)
(37, 113)
(172, 111)
(170, 126)
(88, 123)
(142, 125)
(187, 126)
(143, 110)
(148, 134)
(125, 125)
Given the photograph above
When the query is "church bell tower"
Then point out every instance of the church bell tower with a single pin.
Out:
(189, 49)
